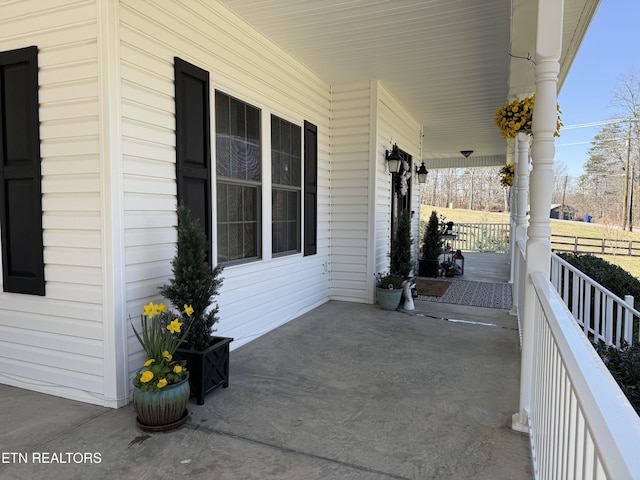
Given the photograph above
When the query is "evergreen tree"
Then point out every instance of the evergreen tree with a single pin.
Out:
(194, 283)
(432, 240)
(401, 262)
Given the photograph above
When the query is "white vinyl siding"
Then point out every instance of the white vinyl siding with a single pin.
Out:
(350, 191)
(395, 125)
(107, 114)
(54, 344)
(245, 65)
(361, 184)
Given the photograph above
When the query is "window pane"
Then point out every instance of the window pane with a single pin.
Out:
(292, 238)
(238, 142)
(238, 157)
(248, 205)
(275, 133)
(253, 162)
(238, 237)
(295, 174)
(275, 167)
(285, 152)
(235, 242)
(286, 167)
(250, 240)
(223, 156)
(237, 114)
(222, 113)
(285, 206)
(223, 243)
(253, 124)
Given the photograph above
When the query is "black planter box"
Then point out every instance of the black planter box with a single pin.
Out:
(428, 268)
(209, 368)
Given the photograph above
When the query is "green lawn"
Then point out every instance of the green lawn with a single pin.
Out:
(558, 227)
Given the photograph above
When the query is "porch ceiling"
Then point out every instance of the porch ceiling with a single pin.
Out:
(447, 61)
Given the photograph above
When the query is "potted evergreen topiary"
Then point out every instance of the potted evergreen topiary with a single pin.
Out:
(401, 261)
(195, 284)
(389, 285)
(428, 265)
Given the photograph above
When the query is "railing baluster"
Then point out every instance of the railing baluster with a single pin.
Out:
(628, 319)
(608, 320)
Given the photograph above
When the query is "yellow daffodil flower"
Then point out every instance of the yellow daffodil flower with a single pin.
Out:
(162, 383)
(149, 362)
(146, 376)
(174, 327)
(161, 308)
(167, 355)
(188, 309)
(177, 369)
(149, 310)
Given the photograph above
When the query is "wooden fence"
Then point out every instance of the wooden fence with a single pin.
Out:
(604, 246)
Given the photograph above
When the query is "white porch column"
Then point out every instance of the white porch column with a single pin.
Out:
(522, 186)
(520, 204)
(512, 158)
(538, 258)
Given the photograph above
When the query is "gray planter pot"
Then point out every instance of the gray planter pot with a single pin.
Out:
(388, 299)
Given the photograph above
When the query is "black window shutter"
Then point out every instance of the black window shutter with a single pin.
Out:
(20, 177)
(310, 188)
(193, 143)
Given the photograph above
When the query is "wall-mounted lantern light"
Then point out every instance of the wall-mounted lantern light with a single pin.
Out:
(393, 159)
(422, 173)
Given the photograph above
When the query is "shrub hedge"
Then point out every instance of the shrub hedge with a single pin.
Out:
(623, 363)
(610, 276)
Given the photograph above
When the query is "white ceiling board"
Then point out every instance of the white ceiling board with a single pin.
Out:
(451, 63)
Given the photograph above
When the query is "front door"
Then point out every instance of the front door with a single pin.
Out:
(400, 191)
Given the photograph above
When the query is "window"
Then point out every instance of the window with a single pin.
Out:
(239, 174)
(20, 177)
(286, 166)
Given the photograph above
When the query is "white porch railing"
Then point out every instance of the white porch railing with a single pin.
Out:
(478, 237)
(580, 423)
(601, 314)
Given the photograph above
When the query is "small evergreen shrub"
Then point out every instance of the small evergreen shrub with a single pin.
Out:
(194, 283)
(401, 262)
(432, 239)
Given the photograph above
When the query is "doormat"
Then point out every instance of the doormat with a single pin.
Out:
(431, 288)
(477, 294)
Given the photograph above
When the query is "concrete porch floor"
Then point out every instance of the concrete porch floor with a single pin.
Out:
(346, 391)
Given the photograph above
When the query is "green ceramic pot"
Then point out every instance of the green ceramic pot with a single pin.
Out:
(388, 299)
(163, 408)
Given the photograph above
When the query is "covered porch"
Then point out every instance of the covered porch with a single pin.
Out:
(346, 391)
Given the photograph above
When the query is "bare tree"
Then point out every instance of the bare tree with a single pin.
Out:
(627, 98)
(603, 179)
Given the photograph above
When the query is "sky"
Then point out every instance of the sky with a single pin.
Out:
(610, 49)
